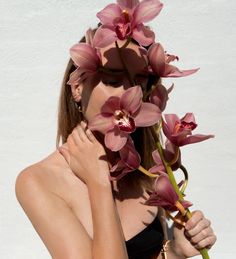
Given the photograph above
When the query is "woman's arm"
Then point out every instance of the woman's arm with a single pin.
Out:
(87, 159)
(58, 227)
(108, 238)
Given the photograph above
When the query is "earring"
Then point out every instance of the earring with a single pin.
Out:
(78, 107)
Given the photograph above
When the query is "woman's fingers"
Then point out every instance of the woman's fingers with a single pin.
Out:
(207, 242)
(88, 132)
(65, 153)
(79, 134)
(203, 233)
(200, 225)
(199, 232)
(197, 216)
(90, 135)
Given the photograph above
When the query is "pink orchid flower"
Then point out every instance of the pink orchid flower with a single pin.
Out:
(125, 19)
(169, 153)
(86, 58)
(179, 131)
(121, 115)
(128, 162)
(159, 96)
(164, 195)
(159, 62)
(159, 167)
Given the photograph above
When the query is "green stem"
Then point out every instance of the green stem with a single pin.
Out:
(187, 213)
(144, 171)
(184, 170)
(169, 171)
(126, 43)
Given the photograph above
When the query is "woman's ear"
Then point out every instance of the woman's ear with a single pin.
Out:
(76, 91)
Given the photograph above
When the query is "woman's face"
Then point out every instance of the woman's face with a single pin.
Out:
(97, 89)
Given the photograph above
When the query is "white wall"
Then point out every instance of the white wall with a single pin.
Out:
(35, 37)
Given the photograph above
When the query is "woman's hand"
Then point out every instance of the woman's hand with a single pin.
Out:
(196, 234)
(86, 156)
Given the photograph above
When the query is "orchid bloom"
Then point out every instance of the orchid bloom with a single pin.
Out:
(125, 20)
(169, 153)
(159, 62)
(129, 161)
(121, 115)
(87, 59)
(159, 96)
(159, 167)
(165, 196)
(179, 131)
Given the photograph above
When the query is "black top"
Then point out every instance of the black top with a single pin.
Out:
(147, 242)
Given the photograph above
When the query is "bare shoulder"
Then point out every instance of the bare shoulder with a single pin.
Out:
(41, 191)
(53, 174)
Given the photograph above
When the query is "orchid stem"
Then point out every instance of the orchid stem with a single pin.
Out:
(186, 213)
(148, 93)
(169, 172)
(126, 43)
(143, 170)
(184, 170)
(178, 221)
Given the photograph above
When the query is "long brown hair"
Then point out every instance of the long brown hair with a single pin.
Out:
(69, 117)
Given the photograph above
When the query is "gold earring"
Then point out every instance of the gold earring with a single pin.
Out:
(78, 107)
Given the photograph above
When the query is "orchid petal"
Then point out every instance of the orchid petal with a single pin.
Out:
(165, 190)
(157, 169)
(111, 105)
(171, 120)
(130, 161)
(195, 138)
(170, 89)
(156, 57)
(101, 123)
(115, 139)
(74, 76)
(164, 194)
(156, 157)
(119, 167)
(172, 71)
(131, 99)
(130, 4)
(188, 118)
(85, 56)
(104, 36)
(89, 37)
(170, 153)
(159, 97)
(129, 155)
(148, 115)
(186, 204)
(109, 13)
(143, 35)
(146, 11)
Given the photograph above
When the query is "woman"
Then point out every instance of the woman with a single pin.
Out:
(69, 197)
(73, 206)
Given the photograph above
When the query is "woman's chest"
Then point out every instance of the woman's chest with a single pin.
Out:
(134, 215)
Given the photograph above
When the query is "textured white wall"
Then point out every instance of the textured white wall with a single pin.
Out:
(35, 38)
